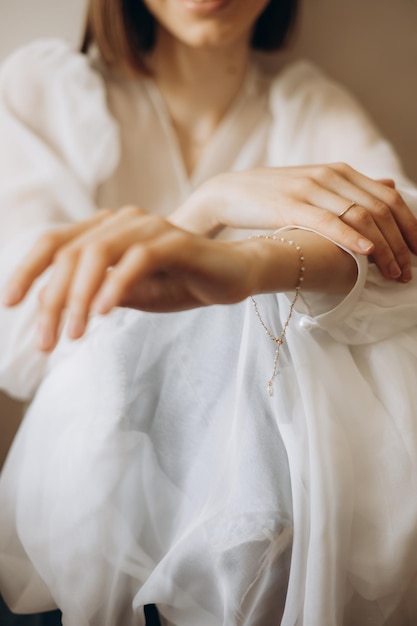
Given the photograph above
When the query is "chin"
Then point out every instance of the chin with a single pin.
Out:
(207, 24)
(211, 37)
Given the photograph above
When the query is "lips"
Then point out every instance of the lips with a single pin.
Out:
(204, 7)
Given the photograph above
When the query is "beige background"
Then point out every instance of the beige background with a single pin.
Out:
(370, 45)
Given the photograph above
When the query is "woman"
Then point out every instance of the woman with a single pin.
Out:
(169, 474)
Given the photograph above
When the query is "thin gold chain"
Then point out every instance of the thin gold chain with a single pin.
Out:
(279, 340)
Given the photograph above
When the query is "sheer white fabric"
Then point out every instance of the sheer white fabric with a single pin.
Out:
(151, 465)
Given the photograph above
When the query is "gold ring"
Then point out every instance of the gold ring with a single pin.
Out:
(349, 206)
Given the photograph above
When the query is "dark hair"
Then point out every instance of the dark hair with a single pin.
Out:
(124, 30)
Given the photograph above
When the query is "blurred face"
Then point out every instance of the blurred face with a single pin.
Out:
(207, 23)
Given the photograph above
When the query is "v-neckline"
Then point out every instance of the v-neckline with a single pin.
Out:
(201, 170)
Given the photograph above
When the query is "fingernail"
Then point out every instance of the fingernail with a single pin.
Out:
(365, 245)
(406, 274)
(103, 303)
(394, 270)
(11, 295)
(76, 326)
(44, 338)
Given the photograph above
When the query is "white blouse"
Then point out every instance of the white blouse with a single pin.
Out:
(152, 466)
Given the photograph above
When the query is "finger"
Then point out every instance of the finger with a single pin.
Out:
(100, 249)
(52, 302)
(41, 256)
(359, 220)
(391, 252)
(167, 248)
(328, 224)
(34, 264)
(139, 263)
(389, 197)
(176, 271)
(123, 229)
(88, 277)
(81, 269)
(377, 222)
(319, 198)
(109, 221)
(387, 181)
(391, 266)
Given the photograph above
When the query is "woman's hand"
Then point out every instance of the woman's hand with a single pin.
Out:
(379, 223)
(128, 258)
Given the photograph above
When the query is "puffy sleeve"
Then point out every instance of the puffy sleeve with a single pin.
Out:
(58, 143)
(375, 309)
(315, 120)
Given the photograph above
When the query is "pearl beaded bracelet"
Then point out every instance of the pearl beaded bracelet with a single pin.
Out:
(279, 340)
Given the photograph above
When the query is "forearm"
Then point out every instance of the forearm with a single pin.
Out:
(159, 267)
(378, 221)
(276, 265)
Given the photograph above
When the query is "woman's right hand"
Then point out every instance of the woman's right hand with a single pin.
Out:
(378, 224)
(133, 259)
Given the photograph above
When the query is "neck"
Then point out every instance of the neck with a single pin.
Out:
(198, 86)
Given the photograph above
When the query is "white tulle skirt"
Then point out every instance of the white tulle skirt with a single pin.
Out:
(152, 467)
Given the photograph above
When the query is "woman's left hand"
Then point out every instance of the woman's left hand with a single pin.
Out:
(128, 258)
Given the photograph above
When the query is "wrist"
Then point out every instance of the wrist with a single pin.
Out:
(199, 213)
(274, 263)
